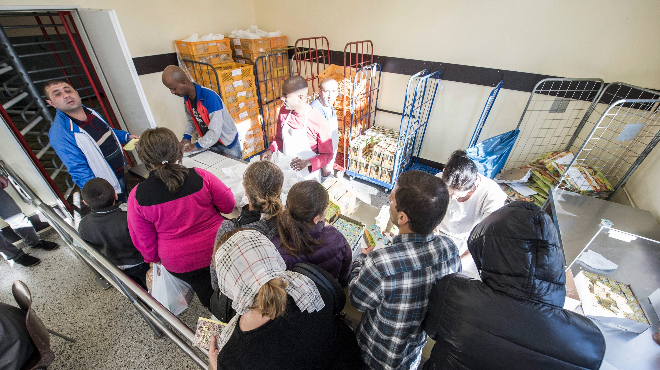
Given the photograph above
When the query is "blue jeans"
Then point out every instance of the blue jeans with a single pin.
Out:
(234, 149)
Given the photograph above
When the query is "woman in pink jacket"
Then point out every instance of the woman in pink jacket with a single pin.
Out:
(174, 215)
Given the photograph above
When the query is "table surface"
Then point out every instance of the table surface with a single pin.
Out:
(579, 221)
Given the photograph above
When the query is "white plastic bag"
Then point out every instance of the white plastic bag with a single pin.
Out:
(170, 291)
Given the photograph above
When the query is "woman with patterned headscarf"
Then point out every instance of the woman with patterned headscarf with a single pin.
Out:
(282, 320)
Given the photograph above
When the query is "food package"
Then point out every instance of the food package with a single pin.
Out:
(347, 203)
(610, 302)
(373, 235)
(337, 190)
(206, 329)
(351, 229)
(332, 212)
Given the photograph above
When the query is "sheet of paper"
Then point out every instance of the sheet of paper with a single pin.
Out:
(193, 152)
(565, 160)
(515, 175)
(522, 189)
(207, 158)
(190, 163)
(131, 144)
(579, 179)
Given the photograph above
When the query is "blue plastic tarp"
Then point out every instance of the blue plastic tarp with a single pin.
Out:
(491, 154)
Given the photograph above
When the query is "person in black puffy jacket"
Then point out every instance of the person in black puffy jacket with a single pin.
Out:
(513, 318)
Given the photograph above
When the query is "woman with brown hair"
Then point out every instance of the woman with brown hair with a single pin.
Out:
(303, 235)
(173, 215)
(283, 320)
(262, 182)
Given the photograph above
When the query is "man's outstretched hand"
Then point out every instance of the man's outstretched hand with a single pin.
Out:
(300, 164)
(3, 182)
(266, 155)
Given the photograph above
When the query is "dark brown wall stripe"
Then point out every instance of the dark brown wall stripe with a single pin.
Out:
(154, 63)
(519, 81)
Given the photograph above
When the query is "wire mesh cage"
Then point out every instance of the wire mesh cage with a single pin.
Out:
(614, 140)
(396, 156)
(555, 112)
(271, 70)
(361, 114)
(422, 87)
(311, 56)
(357, 54)
(203, 74)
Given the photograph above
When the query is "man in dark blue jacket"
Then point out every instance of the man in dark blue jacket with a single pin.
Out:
(513, 318)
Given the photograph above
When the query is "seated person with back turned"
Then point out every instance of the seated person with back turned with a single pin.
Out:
(304, 236)
(106, 229)
(513, 318)
(391, 285)
(16, 345)
(284, 319)
(301, 132)
(473, 198)
(205, 114)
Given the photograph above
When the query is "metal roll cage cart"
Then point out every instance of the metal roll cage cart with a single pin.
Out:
(308, 58)
(610, 128)
(271, 70)
(417, 106)
(357, 54)
(618, 140)
(484, 114)
(556, 110)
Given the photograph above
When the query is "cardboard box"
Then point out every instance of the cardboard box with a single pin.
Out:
(610, 302)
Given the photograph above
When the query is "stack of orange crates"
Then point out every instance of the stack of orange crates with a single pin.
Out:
(238, 89)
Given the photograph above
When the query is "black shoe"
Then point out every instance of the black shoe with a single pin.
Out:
(47, 246)
(27, 260)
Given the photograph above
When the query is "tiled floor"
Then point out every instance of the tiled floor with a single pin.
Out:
(109, 331)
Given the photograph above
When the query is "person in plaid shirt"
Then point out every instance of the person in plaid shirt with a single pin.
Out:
(391, 285)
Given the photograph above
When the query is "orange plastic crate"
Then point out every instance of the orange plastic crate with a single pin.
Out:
(235, 72)
(248, 54)
(253, 45)
(209, 58)
(278, 42)
(248, 114)
(202, 47)
(239, 96)
(244, 106)
(238, 85)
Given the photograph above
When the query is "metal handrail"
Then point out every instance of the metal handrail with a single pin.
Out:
(145, 303)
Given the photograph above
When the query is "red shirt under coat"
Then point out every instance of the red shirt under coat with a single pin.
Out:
(318, 135)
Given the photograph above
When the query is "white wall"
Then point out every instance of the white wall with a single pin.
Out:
(612, 40)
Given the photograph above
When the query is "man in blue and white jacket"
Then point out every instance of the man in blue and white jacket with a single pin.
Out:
(87, 146)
